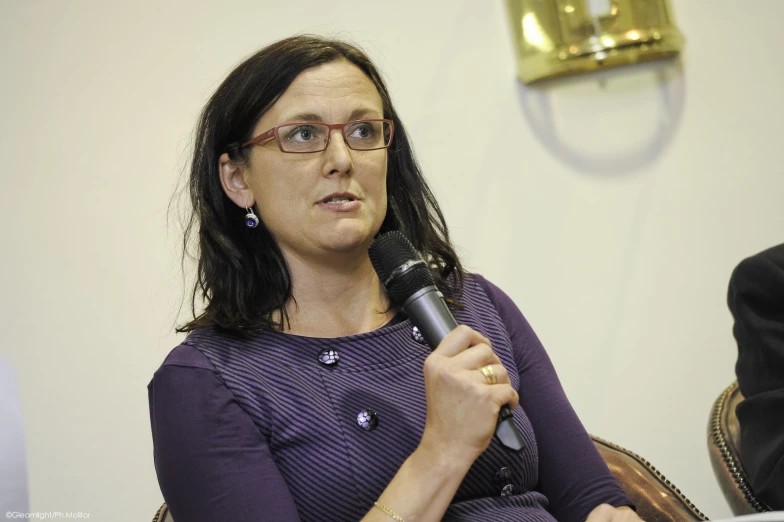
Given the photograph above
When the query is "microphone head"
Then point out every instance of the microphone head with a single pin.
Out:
(390, 251)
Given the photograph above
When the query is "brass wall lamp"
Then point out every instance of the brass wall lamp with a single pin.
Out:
(559, 37)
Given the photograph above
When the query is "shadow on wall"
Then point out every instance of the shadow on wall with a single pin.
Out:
(608, 123)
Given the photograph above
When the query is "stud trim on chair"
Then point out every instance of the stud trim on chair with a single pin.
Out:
(160, 513)
(735, 468)
(669, 485)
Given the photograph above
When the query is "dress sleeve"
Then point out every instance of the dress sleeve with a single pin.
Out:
(572, 473)
(756, 300)
(211, 460)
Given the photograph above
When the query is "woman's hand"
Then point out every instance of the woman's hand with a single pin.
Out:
(462, 408)
(462, 412)
(607, 513)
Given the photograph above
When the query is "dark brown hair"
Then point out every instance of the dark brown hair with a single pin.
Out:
(242, 276)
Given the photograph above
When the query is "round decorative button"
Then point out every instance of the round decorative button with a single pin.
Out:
(417, 335)
(329, 357)
(367, 419)
(503, 477)
(508, 490)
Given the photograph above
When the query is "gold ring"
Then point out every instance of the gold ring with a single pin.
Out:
(489, 374)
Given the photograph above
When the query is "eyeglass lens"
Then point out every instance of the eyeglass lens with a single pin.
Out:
(312, 137)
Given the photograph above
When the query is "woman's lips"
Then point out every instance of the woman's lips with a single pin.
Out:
(344, 205)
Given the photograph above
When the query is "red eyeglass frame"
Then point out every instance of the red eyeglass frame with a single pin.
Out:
(273, 133)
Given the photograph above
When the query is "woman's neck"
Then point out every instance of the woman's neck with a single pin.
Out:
(336, 299)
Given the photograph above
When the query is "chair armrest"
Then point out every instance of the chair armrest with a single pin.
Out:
(724, 451)
(657, 499)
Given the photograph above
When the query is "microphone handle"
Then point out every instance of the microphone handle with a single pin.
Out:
(428, 311)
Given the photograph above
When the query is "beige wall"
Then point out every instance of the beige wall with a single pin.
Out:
(618, 248)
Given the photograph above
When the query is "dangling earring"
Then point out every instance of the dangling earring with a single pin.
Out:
(251, 219)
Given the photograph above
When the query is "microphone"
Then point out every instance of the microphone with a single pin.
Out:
(411, 286)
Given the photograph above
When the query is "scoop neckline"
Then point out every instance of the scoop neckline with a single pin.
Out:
(397, 323)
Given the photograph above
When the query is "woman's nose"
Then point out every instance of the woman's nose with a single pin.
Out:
(338, 154)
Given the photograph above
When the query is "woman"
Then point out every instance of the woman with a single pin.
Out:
(299, 392)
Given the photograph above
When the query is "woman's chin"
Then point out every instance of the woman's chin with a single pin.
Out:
(348, 242)
(348, 236)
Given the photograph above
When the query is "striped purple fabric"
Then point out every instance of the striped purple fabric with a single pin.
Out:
(306, 405)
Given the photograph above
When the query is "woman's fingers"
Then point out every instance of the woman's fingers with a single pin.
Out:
(608, 513)
(491, 374)
(458, 340)
(471, 351)
(601, 513)
(476, 356)
(505, 395)
(483, 364)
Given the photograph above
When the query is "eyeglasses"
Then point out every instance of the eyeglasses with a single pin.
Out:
(313, 136)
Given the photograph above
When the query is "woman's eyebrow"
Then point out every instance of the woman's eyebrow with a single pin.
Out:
(303, 116)
(309, 116)
(363, 111)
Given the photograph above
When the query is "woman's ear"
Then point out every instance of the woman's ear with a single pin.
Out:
(232, 178)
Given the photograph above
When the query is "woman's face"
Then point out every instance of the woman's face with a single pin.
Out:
(295, 193)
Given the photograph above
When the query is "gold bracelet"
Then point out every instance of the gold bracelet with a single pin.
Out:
(389, 512)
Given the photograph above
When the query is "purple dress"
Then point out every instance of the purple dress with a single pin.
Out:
(285, 428)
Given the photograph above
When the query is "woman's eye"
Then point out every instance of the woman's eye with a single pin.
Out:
(362, 131)
(301, 134)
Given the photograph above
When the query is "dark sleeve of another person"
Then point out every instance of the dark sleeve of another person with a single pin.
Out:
(213, 463)
(756, 300)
